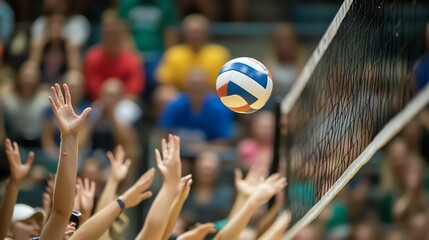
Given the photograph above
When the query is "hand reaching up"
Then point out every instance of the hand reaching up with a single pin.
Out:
(85, 193)
(199, 232)
(184, 187)
(18, 171)
(248, 185)
(169, 164)
(137, 193)
(68, 122)
(118, 165)
(268, 188)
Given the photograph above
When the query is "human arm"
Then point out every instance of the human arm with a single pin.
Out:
(118, 171)
(101, 221)
(263, 192)
(184, 188)
(170, 167)
(18, 172)
(73, 56)
(64, 189)
(278, 228)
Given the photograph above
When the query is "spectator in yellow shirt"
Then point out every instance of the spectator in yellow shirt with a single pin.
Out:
(195, 52)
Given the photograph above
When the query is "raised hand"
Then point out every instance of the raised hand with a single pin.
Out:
(68, 122)
(18, 171)
(184, 187)
(268, 188)
(118, 165)
(137, 193)
(247, 186)
(199, 232)
(169, 164)
(85, 192)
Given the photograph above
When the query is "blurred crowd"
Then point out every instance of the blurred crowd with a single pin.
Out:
(148, 68)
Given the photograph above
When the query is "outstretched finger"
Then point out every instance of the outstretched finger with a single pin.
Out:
(164, 148)
(158, 157)
(60, 94)
(15, 147)
(111, 158)
(170, 144)
(30, 159)
(53, 105)
(92, 187)
(56, 99)
(176, 145)
(120, 153)
(8, 145)
(127, 164)
(86, 184)
(67, 94)
(238, 175)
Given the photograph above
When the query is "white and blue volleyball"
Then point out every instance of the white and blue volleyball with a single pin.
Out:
(244, 85)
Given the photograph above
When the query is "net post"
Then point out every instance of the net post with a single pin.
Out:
(276, 146)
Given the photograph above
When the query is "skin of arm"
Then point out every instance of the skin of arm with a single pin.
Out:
(170, 167)
(101, 221)
(84, 199)
(18, 172)
(69, 124)
(278, 228)
(269, 218)
(262, 194)
(184, 188)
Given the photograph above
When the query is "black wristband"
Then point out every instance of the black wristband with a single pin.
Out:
(121, 203)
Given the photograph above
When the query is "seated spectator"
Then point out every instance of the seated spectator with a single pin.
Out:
(51, 134)
(114, 120)
(26, 222)
(152, 25)
(76, 27)
(208, 199)
(7, 22)
(286, 59)
(257, 149)
(195, 52)
(54, 53)
(110, 59)
(198, 116)
(24, 107)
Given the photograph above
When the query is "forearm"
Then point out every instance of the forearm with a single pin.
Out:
(96, 226)
(7, 205)
(238, 222)
(109, 193)
(239, 200)
(155, 223)
(66, 176)
(174, 215)
(268, 219)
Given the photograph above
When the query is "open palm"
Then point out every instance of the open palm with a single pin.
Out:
(68, 121)
(248, 185)
(268, 188)
(169, 164)
(18, 171)
(118, 165)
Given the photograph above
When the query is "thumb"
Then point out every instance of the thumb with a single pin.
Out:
(85, 113)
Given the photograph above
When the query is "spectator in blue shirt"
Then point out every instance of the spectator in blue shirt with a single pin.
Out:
(197, 115)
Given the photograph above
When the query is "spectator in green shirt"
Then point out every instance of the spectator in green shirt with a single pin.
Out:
(152, 25)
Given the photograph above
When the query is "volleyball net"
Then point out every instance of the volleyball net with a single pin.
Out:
(355, 93)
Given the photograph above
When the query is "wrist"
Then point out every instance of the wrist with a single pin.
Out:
(121, 202)
(14, 182)
(69, 136)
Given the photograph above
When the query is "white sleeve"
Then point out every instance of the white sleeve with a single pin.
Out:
(77, 29)
(38, 27)
(127, 112)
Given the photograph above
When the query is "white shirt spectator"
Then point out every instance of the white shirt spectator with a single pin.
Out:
(76, 30)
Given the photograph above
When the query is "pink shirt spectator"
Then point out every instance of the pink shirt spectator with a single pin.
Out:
(251, 152)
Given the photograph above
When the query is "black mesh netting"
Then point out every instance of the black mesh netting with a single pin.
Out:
(362, 80)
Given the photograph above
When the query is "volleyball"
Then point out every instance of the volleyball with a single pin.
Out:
(244, 85)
